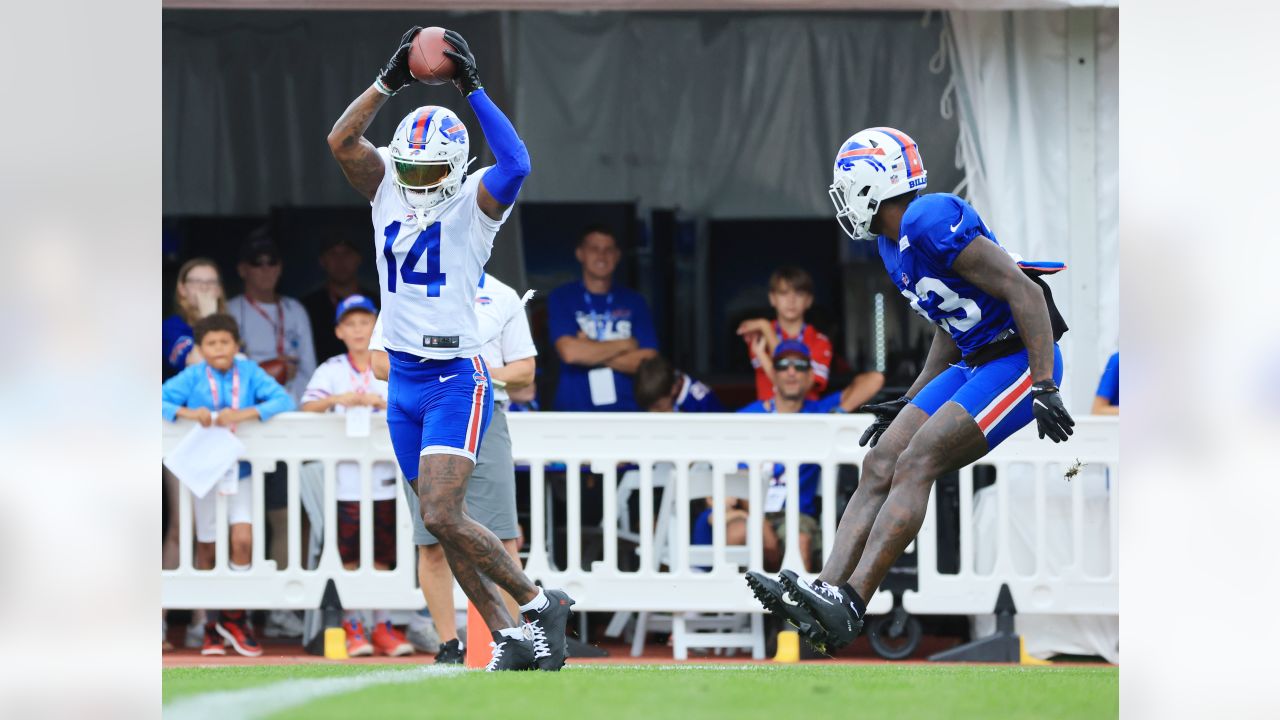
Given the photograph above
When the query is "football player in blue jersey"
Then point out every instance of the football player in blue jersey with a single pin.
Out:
(993, 367)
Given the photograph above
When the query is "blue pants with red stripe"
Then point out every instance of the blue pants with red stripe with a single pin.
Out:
(997, 395)
(436, 407)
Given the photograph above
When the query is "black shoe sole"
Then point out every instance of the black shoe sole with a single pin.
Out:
(813, 634)
(787, 578)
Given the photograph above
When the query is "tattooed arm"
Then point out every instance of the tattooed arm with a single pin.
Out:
(358, 157)
(986, 265)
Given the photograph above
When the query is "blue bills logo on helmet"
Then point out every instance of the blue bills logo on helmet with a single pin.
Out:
(854, 151)
(454, 130)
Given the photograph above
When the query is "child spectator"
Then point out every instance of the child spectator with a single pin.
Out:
(662, 388)
(347, 381)
(791, 295)
(223, 389)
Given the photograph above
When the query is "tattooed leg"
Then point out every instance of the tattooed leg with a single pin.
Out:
(873, 488)
(948, 440)
(475, 554)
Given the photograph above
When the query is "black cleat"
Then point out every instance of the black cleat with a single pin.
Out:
(773, 597)
(828, 605)
(511, 654)
(450, 653)
(546, 629)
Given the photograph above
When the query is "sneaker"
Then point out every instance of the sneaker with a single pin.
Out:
(238, 636)
(828, 605)
(389, 641)
(773, 596)
(282, 624)
(511, 654)
(546, 628)
(423, 638)
(451, 653)
(213, 642)
(357, 641)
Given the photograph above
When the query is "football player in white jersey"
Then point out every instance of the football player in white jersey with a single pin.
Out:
(433, 226)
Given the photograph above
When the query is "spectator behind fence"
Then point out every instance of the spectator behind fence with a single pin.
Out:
(340, 260)
(198, 294)
(277, 335)
(510, 354)
(1107, 400)
(791, 295)
(276, 329)
(660, 387)
(225, 390)
(793, 379)
(342, 384)
(601, 331)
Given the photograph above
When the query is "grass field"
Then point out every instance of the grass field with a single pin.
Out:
(622, 692)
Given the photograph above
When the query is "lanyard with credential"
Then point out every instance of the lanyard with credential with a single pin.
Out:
(278, 326)
(235, 389)
(360, 379)
(600, 323)
(799, 335)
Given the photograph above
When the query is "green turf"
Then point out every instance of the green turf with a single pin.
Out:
(735, 692)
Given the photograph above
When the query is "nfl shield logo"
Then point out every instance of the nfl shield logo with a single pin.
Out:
(905, 281)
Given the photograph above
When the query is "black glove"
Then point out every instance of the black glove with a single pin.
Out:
(885, 412)
(395, 74)
(1052, 418)
(465, 77)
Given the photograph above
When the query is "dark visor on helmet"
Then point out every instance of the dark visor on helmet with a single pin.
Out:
(421, 175)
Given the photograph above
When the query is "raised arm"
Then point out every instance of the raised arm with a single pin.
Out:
(358, 157)
(499, 187)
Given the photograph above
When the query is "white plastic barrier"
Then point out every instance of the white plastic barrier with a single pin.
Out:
(606, 442)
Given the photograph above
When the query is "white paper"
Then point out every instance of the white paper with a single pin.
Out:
(230, 482)
(358, 418)
(776, 498)
(203, 457)
(603, 391)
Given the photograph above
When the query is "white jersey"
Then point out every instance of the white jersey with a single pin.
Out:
(336, 376)
(429, 290)
(501, 323)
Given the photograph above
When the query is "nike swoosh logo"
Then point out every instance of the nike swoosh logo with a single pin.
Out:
(953, 227)
(1037, 402)
(442, 378)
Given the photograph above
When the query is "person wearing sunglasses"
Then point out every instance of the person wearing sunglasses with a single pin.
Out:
(793, 378)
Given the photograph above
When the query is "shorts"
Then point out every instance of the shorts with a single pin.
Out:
(436, 407)
(997, 395)
(239, 510)
(491, 491)
(384, 531)
(808, 526)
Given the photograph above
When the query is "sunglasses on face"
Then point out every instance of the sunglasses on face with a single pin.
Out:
(797, 364)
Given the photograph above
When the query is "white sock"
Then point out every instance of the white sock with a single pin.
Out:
(514, 633)
(380, 616)
(237, 568)
(537, 604)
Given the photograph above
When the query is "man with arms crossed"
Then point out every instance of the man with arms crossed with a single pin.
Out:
(440, 403)
(994, 366)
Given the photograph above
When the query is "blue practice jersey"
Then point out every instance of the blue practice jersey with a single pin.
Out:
(935, 229)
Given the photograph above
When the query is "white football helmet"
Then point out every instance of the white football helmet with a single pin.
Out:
(429, 156)
(872, 166)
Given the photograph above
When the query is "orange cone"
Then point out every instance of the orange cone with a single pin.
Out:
(478, 637)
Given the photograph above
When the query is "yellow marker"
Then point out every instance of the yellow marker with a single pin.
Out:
(335, 643)
(788, 647)
(1026, 659)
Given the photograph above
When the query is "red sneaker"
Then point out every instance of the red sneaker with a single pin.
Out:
(237, 633)
(357, 641)
(390, 641)
(213, 642)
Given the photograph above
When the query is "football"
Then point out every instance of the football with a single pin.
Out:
(427, 61)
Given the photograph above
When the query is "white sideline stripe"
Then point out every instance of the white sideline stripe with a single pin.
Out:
(264, 700)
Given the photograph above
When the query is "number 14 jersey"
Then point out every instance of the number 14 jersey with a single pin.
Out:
(935, 229)
(430, 272)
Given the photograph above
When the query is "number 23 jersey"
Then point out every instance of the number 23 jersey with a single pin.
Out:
(430, 275)
(935, 229)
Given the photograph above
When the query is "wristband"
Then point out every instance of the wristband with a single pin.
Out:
(1043, 388)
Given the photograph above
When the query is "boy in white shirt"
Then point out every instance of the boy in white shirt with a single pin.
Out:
(341, 384)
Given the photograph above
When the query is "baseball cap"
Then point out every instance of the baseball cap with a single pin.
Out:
(354, 302)
(257, 247)
(790, 347)
(337, 239)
